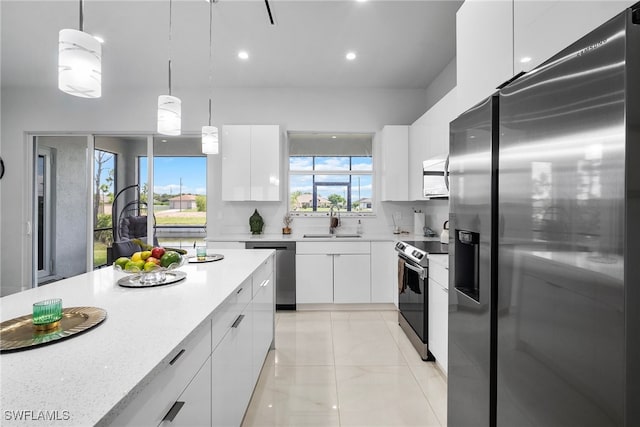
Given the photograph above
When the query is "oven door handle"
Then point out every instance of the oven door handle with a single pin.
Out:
(418, 270)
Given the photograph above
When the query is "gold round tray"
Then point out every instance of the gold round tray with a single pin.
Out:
(20, 334)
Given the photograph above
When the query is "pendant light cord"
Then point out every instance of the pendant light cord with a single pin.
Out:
(210, 62)
(169, 49)
(81, 16)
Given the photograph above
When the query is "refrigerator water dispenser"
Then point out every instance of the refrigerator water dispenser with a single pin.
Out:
(467, 276)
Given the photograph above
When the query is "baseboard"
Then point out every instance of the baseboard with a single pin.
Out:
(347, 307)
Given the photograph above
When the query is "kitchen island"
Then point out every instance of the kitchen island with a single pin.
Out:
(153, 346)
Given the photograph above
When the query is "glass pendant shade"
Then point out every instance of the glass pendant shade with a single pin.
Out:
(79, 64)
(209, 140)
(169, 115)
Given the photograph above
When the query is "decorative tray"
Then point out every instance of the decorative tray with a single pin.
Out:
(19, 333)
(134, 280)
(208, 258)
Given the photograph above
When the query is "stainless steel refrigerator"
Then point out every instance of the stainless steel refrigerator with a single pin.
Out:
(544, 301)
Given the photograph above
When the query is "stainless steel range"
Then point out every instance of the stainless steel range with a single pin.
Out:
(413, 293)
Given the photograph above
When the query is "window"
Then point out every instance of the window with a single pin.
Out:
(328, 170)
(104, 165)
(179, 198)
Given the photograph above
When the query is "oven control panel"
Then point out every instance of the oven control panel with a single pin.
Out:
(411, 252)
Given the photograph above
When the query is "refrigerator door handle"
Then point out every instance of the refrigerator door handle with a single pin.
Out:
(446, 173)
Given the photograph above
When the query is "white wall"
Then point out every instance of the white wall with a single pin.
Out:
(71, 204)
(442, 84)
(134, 111)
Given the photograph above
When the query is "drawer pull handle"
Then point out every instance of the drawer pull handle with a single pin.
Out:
(239, 290)
(173, 412)
(264, 283)
(238, 320)
(175, 359)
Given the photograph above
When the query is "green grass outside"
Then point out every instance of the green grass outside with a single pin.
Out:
(172, 220)
(99, 254)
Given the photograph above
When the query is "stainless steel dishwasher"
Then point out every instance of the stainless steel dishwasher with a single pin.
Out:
(285, 271)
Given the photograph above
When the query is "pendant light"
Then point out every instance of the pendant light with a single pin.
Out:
(210, 133)
(169, 107)
(79, 62)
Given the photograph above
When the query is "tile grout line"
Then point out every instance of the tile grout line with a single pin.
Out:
(335, 368)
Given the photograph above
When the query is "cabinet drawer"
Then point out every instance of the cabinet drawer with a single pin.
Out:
(223, 318)
(228, 312)
(333, 248)
(439, 274)
(156, 399)
(244, 294)
(262, 273)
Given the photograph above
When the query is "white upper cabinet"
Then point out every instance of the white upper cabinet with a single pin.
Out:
(394, 177)
(484, 49)
(251, 162)
(428, 138)
(544, 28)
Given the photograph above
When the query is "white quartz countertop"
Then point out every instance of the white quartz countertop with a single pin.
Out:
(299, 237)
(90, 377)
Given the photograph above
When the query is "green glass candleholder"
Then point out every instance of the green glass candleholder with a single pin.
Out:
(47, 314)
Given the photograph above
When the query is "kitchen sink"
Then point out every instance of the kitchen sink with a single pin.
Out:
(331, 236)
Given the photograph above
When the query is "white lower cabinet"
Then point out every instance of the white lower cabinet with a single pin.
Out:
(193, 407)
(155, 401)
(439, 311)
(263, 320)
(232, 374)
(314, 278)
(351, 278)
(208, 381)
(384, 273)
(328, 272)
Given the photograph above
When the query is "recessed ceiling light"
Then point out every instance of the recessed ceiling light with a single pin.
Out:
(100, 39)
(333, 136)
(361, 1)
(525, 59)
(243, 54)
(351, 56)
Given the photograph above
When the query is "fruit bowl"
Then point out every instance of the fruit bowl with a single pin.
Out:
(149, 270)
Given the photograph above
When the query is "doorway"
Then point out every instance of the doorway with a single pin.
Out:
(61, 207)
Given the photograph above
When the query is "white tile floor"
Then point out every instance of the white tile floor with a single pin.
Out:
(346, 369)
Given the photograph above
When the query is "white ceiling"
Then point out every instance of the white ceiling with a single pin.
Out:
(400, 44)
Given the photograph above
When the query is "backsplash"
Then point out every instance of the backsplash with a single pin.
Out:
(233, 218)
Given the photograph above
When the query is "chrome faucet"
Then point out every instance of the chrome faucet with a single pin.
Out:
(334, 222)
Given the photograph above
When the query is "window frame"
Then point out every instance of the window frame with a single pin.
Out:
(348, 172)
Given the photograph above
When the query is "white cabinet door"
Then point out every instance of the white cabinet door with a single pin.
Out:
(384, 278)
(251, 162)
(484, 49)
(236, 164)
(418, 142)
(351, 278)
(429, 138)
(263, 306)
(438, 323)
(544, 28)
(232, 373)
(394, 177)
(314, 279)
(193, 407)
(265, 162)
